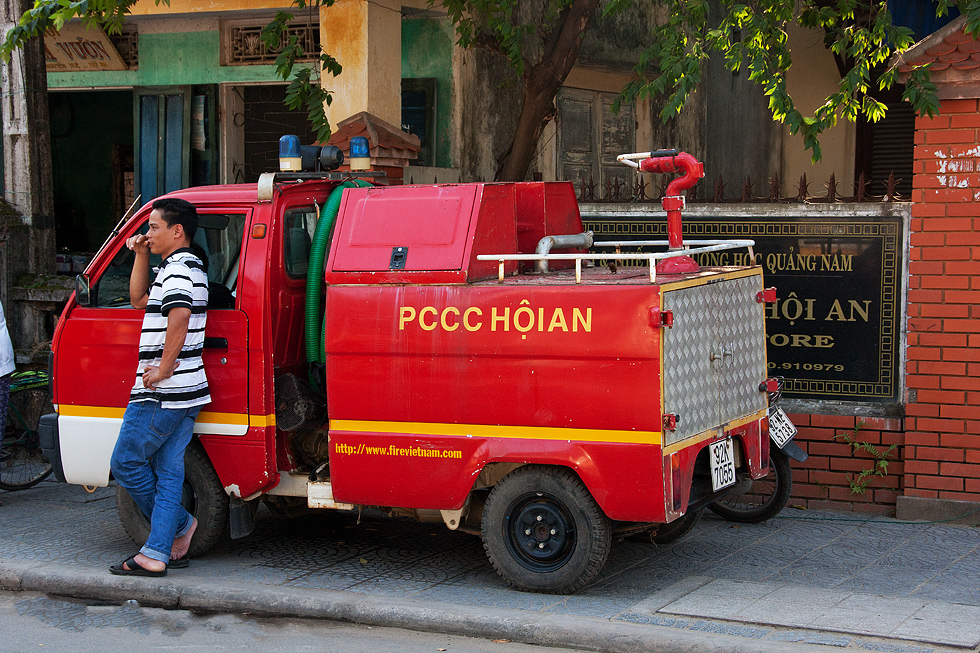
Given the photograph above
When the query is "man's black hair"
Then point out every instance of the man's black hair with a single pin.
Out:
(177, 211)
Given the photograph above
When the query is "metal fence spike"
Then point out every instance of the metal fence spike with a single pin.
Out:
(804, 189)
(747, 189)
(774, 194)
(890, 187)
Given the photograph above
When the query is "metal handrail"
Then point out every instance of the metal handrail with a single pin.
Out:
(652, 257)
(665, 243)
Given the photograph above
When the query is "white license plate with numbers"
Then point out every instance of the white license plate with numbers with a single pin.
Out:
(722, 464)
(781, 429)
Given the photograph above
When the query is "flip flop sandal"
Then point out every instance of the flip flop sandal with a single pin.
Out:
(135, 569)
(179, 563)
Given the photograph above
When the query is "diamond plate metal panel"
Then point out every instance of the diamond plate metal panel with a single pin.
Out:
(742, 324)
(689, 387)
(714, 356)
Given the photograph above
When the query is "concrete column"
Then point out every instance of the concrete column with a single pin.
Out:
(365, 37)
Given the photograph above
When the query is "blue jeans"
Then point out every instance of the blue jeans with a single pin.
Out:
(148, 461)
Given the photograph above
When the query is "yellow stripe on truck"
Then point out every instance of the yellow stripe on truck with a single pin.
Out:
(235, 421)
(495, 431)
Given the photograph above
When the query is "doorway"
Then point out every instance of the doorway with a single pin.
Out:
(92, 164)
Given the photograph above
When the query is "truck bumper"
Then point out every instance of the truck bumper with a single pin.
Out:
(51, 444)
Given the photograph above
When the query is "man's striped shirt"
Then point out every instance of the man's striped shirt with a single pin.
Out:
(181, 282)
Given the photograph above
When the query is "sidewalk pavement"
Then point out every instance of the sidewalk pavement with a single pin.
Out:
(803, 581)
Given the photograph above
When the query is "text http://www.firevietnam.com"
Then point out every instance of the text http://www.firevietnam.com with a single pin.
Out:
(394, 450)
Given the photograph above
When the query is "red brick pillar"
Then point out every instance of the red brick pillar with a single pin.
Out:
(942, 455)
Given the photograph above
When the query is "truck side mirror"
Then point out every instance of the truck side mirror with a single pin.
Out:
(83, 290)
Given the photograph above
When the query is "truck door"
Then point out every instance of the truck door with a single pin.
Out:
(96, 358)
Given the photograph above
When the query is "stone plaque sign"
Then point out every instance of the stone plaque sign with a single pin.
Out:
(834, 332)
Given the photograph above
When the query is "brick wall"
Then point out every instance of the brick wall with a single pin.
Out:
(942, 439)
(938, 445)
(822, 482)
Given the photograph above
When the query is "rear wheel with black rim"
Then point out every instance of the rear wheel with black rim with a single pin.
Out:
(543, 531)
(675, 530)
(765, 498)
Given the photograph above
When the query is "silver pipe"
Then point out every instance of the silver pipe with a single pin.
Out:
(546, 244)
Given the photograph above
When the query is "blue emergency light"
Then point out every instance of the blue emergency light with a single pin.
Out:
(290, 155)
(294, 157)
(360, 154)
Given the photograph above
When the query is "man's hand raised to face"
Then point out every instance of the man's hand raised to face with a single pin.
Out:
(138, 244)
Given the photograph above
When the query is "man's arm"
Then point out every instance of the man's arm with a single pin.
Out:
(177, 320)
(139, 280)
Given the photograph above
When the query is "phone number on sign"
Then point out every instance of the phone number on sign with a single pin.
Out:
(815, 367)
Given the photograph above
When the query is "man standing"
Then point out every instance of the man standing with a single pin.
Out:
(148, 460)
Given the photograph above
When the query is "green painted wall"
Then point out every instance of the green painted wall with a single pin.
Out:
(170, 60)
(427, 50)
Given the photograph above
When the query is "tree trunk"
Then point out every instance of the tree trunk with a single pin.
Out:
(27, 244)
(28, 181)
(541, 85)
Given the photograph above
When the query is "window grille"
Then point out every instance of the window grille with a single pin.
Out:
(246, 46)
(127, 45)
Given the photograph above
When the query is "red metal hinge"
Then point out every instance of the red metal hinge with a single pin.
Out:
(670, 422)
(660, 319)
(767, 296)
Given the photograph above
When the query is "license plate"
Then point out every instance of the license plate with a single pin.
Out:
(722, 464)
(781, 429)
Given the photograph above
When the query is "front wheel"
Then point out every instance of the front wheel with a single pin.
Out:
(543, 531)
(203, 497)
(766, 497)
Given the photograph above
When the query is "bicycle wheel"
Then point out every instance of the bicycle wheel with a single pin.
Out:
(766, 497)
(22, 465)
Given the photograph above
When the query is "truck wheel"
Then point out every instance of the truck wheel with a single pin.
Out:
(767, 497)
(543, 531)
(203, 497)
(675, 530)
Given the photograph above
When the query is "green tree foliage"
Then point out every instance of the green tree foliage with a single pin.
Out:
(541, 40)
(751, 36)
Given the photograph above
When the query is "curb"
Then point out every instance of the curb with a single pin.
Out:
(429, 616)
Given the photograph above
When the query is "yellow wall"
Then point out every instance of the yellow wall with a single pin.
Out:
(150, 7)
(812, 78)
(365, 37)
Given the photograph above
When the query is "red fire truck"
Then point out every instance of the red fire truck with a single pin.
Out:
(453, 352)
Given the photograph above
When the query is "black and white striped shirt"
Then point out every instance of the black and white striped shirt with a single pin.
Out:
(181, 282)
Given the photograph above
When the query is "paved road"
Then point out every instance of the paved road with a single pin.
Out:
(820, 578)
(31, 620)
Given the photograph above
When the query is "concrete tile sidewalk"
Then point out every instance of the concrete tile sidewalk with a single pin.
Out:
(831, 579)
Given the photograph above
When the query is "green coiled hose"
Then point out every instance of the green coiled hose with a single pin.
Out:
(314, 274)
